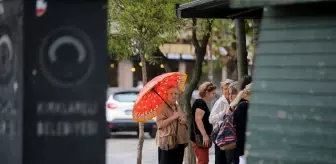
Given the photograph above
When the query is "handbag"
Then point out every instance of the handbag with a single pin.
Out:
(169, 142)
(199, 138)
(226, 138)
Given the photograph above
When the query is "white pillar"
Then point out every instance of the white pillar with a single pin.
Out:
(224, 73)
(182, 66)
(125, 74)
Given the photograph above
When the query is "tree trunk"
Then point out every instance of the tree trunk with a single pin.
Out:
(231, 66)
(241, 48)
(141, 125)
(186, 98)
(200, 51)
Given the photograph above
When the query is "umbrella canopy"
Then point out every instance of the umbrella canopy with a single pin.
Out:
(154, 93)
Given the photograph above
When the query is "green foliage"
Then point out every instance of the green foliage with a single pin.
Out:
(224, 34)
(217, 66)
(142, 25)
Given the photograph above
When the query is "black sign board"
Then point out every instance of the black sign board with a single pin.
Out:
(10, 82)
(65, 79)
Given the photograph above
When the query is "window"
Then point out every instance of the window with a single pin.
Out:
(126, 96)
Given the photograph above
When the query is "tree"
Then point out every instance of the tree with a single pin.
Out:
(224, 37)
(233, 35)
(203, 29)
(142, 27)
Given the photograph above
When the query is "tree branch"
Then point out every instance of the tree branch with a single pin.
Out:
(194, 35)
(120, 4)
(200, 53)
(207, 34)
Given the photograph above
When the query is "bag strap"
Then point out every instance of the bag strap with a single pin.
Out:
(176, 130)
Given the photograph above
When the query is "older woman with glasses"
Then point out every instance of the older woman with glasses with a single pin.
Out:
(217, 114)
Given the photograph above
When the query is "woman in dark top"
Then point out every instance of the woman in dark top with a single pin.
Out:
(240, 104)
(201, 126)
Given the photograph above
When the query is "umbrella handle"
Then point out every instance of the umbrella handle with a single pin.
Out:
(162, 99)
(169, 107)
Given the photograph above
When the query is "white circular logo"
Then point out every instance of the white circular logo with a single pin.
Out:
(66, 57)
(69, 40)
(6, 59)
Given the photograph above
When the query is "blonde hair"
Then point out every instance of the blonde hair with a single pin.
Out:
(206, 87)
(241, 94)
(225, 82)
(174, 87)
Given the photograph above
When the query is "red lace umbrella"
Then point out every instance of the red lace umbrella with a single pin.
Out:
(153, 94)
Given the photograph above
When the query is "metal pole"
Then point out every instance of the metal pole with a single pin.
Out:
(241, 48)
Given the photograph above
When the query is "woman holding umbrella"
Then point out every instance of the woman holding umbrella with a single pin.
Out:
(171, 123)
(158, 98)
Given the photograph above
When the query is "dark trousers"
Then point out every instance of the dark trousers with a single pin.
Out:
(173, 156)
(232, 156)
(220, 156)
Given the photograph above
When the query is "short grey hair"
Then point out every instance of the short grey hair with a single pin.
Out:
(234, 87)
(225, 82)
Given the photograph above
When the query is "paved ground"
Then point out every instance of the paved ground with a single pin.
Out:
(121, 148)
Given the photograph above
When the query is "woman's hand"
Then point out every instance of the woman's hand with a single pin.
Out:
(206, 141)
(183, 120)
(229, 110)
(182, 117)
(176, 115)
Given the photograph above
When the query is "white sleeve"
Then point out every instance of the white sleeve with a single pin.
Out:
(218, 111)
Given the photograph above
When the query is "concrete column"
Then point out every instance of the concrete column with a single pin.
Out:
(182, 66)
(125, 75)
(224, 73)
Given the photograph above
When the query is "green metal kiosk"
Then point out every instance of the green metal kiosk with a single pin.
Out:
(292, 116)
